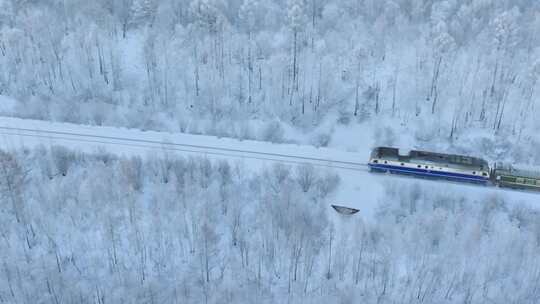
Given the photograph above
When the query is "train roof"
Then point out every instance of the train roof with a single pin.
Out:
(439, 158)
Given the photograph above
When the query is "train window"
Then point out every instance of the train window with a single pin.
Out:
(419, 166)
(474, 172)
(531, 182)
(520, 180)
(508, 179)
(402, 164)
(484, 174)
(427, 167)
(385, 162)
(376, 161)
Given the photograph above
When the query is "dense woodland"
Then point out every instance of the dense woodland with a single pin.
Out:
(81, 228)
(100, 228)
(214, 66)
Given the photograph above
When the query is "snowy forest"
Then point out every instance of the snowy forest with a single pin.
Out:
(95, 228)
(460, 76)
(246, 68)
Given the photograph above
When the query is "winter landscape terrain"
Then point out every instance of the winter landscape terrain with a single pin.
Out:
(188, 151)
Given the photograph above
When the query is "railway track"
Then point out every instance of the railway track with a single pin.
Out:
(57, 137)
(208, 150)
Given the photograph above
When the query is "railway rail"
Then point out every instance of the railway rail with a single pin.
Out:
(183, 147)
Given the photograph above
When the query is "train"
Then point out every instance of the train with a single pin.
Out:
(453, 167)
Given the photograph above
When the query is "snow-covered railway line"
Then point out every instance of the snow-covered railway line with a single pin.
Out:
(53, 136)
(358, 188)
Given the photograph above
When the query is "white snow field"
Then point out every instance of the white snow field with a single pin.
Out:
(358, 188)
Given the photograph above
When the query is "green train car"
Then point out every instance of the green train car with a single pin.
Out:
(507, 176)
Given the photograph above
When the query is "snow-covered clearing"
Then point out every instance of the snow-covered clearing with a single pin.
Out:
(359, 188)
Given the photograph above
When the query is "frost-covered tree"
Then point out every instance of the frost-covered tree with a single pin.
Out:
(296, 14)
(12, 181)
(142, 12)
(443, 46)
(248, 13)
(122, 11)
(7, 13)
(506, 39)
(208, 14)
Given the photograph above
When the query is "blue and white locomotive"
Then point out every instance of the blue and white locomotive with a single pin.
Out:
(429, 164)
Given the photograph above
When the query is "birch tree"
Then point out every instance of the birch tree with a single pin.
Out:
(12, 179)
(297, 20)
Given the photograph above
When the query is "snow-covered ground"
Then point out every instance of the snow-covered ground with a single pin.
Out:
(7, 105)
(359, 188)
